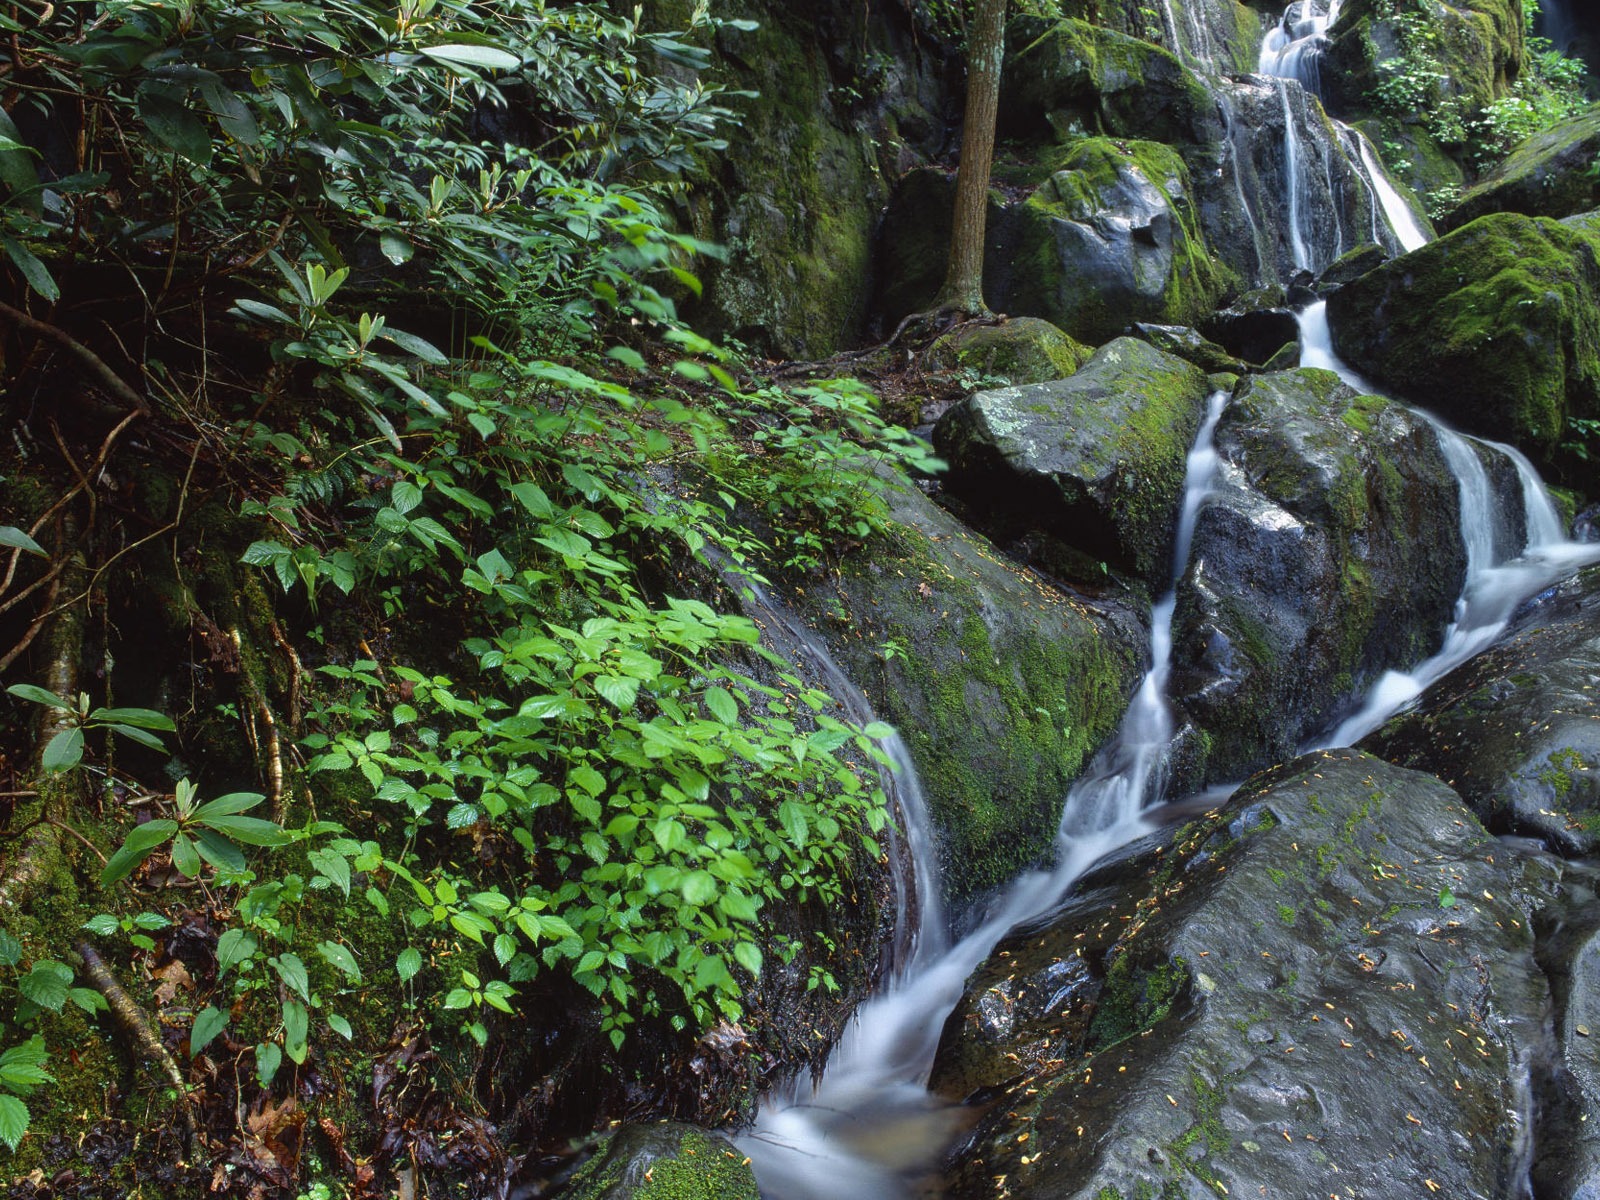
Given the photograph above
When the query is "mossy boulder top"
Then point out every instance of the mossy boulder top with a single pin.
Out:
(1001, 687)
(1549, 175)
(1096, 460)
(1277, 993)
(1517, 730)
(1495, 326)
(1020, 350)
(1328, 552)
(668, 1161)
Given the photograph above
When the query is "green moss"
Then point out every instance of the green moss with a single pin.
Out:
(1135, 998)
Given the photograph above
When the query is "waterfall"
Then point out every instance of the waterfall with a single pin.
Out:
(1293, 48)
(833, 1142)
(1292, 180)
(1396, 211)
(1495, 585)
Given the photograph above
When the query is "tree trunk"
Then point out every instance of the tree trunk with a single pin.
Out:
(963, 284)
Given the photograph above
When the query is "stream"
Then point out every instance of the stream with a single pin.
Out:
(869, 1129)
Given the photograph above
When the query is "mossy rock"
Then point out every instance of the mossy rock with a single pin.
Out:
(664, 1162)
(1191, 346)
(1111, 237)
(1353, 265)
(1075, 78)
(1328, 553)
(1517, 729)
(1096, 460)
(1495, 326)
(1549, 175)
(1002, 687)
(1210, 1018)
(1021, 350)
(1474, 51)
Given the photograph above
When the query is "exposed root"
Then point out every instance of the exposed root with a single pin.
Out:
(107, 378)
(140, 1030)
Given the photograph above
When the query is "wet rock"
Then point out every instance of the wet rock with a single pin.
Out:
(1254, 334)
(1351, 266)
(1018, 351)
(1517, 730)
(1257, 981)
(1191, 346)
(1096, 460)
(1566, 1159)
(1495, 326)
(1549, 175)
(1001, 686)
(668, 1161)
(1328, 553)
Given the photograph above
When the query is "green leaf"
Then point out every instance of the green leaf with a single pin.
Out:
(252, 831)
(35, 272)
(340, 1026)
(184, 856)
(296, 1025)
(142, 718)
(208, 1022)
(619, 690)
(233, 947)
(487, 58)
(143, 736)
(586, 777)
(140, 844)
(88, 999)
(748, 956)
(421, 347)
(102, 924)
(38, 695)
(233, 802)
(13, 1121)
(532, 497)
(10, 950)
(340, 958)
(64, 751)
(292, 971)
(174, 126)
(11, 536)
(408, 963)
(395, 248)
(46, 984)
(458, 998)
(218, 850)
(699, 887)
(269, 1057)
(722, 705)
(17, 170)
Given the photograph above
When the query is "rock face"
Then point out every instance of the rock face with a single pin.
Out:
(1329, 552)
(1495, 326)
(664, 1162)
(1335, 970)
(1021, 350)
(1546, 176)
(1517, 730)
(1096, 460)
(1001, 687)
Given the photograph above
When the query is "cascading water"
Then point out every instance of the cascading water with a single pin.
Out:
(1402, 221)
(870, 1122)
(1293, 47)
(1495, 584)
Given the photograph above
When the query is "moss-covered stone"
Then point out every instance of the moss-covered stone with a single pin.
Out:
(1207, 1017)
(1096, 460)
(1001, 686)
(664, 1162)
(1328, 553)
(1549, 175)
(1496, 326)
(1021, 350)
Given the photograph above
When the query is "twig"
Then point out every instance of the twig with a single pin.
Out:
(113, 382)
(138, 1027)
(36, 625)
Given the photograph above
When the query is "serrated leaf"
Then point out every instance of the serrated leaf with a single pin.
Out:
(698, 887)
(458, 998)
(332, 866)
(102, 925)
(46, 984)
(408, 963)
(748, 956)
(13, 1121)
(618, 689)
(722, 705)
(88, 999)
(208, 1022)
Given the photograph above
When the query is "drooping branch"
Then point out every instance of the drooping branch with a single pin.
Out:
(109, 379)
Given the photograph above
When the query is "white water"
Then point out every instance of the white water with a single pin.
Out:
(871, 1121)
(1395, 210)
(1293, 183)
(1292, 47)
(1495, 585)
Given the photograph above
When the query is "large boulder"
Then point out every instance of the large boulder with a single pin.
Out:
(1019, 350)
(1109, 238)
(1329, 552)
(1549, 175)
(1096, 460)
(1001, 687)
(1495, 326)
(1517, 730)
(1335, 970)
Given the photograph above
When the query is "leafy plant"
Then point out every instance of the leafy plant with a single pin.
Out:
(198, 833)
(64, 750)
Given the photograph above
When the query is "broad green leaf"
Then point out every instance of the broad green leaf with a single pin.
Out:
(143, 718)
(208, 1022)
(458, 998)
(143, 736)
(184, 856)
(252, 831)
(748, 956)
(46, 984)
(64, 751)
(13, 1121)
(296, 1025)
(218, 850)
(140, 844)
(586, 777)
(292, 971)
(35, 272)
(11, 536)
(233, 947)
(17, 170)
(39, 695)
(699, 887)
(395, 248)
(486, 58)
(532, 497)
(341, 959)
(618, 689)
(233, 802)
(174, 126)
(421, 347)
(102, 924)
(408, 963)
(88, 999)
(722, 705)
(340, 1026)
(269, 1057)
